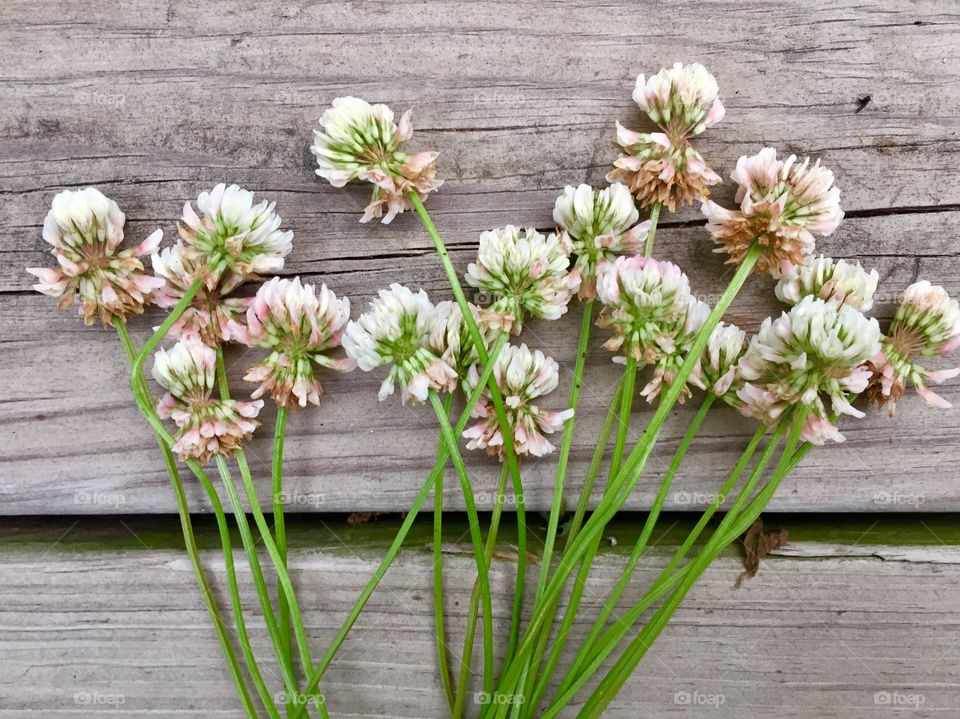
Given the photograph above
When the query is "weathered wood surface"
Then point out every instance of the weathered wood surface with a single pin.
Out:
(111, 621)
(155, 102)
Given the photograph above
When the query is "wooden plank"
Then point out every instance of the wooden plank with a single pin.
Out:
(110, 620)
(156, 103)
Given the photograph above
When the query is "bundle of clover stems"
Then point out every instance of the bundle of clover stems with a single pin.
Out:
(795, 375)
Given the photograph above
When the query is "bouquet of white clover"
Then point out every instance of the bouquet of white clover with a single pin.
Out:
(796, 375)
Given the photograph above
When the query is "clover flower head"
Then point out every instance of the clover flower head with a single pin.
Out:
(782, 206)
(834, 280)
(360, 141)
(299, 325)
(926, 324)
(667, 366)
(396, 331)
(85, 229)
(717, 371)
(522, 375)
(600, 224)
(234, 234)
(658, 168)
(209, 316)
(683, 99)
(206, 425)
(524, 272)
(646, 306)
(816, 350)
(450, 337)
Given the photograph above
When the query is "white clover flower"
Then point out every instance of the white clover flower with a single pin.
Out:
(600, 224)
(206, 425)
(396, 331)
(657, 168)
(522, 376)
(683, 100)
(523, 271)
(213, 309)
(299, 325)
(667, 367)
(927, 324)
(234, 234)
(782, 206)
(662, 167)
(646, 305)
(717, 370)
(818, 349)
(85, 228)
(450, 338)
(359, 141)
(834, 280)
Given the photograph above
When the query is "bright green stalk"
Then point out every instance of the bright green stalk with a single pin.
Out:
(285, 585)
(608, 688)
(394, 548)
(638, 550)
(497, 398)
(594, 468)
(190, 542)
(466, 657)
(586, 564)
(620, 628)
(260, 585)
(483, 575)
(438, 616)
(631, 472)
(279, 525)
(563, 457)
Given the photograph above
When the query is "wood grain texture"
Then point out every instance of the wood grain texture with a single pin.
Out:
(835, 629)
(155, 102)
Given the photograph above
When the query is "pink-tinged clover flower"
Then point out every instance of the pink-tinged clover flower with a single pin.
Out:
(360, 141)
(85, 229)
(234, 235)
(523, 271)
(683, 100)
(717, 371)
(816, 351)
(927, 324)
(667, 367)
(662, 166)
(601, 224)
(213, 309)
(522, 376)
(206, 424)
(299, 325)
(395, 331)
(782, 206)
(833, 280)
(646, 304)
(450, 337)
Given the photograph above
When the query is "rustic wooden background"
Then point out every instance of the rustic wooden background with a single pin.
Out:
(154, 102)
